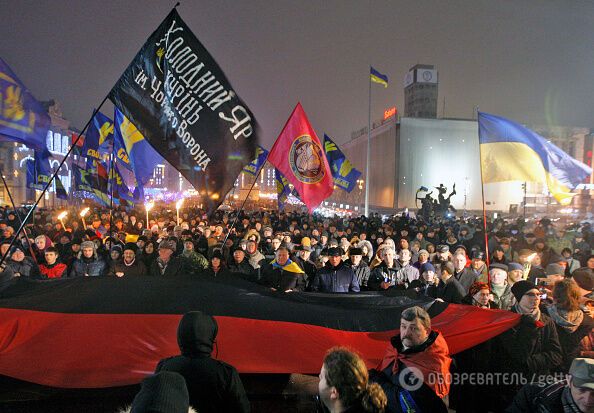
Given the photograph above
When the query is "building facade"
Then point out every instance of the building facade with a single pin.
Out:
(420, 92)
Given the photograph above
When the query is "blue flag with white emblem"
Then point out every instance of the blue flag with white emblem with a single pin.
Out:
(39, 173)
(22, 118)
(344, 174)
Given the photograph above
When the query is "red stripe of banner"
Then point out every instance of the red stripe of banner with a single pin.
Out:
(107, 350)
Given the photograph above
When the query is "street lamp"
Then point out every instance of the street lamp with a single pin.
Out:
(360, 182)
(178, 205)
(148, 205)
(83, 214)
(61, 218)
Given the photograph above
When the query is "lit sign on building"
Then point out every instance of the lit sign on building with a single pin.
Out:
(388, 113)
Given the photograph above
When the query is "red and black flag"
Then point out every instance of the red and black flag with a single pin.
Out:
(106, 332)
(180, 100)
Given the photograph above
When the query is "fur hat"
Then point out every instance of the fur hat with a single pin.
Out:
(168, 244)
(88, 244)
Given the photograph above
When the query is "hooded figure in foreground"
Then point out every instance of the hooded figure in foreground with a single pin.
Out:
(214, 386)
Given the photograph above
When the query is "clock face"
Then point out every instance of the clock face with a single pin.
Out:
(427, 76)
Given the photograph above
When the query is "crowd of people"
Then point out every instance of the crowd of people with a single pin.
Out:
(539, 269)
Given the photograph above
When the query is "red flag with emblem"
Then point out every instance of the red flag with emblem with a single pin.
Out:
(298, 154)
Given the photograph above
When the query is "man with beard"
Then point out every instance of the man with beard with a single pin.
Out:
(336, 276)
(416, 350)
(129, 265)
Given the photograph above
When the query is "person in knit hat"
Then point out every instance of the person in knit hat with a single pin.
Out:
(531, 348)
(164, 392)
(166, 264)
(479, 295)
(88, 263)
(129, 264)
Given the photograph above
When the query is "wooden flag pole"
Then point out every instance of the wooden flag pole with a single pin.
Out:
(31, 211)
(484, 208)
(18, 215)
(244, 201)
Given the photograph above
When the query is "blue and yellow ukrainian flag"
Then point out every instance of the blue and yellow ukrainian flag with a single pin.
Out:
(377, 77)
(511, 152)
(254, 166)
(22, 118)
(344, 174)
(283, 190)
(133, 151)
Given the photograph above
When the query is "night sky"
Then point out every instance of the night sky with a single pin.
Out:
(530, 60)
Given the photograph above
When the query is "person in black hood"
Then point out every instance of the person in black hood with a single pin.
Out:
(214, 386)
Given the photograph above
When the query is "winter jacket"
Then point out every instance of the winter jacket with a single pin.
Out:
(57, 270)
(256, 259)
(466, 278)
(572, 328)
(197, 261)
(213, 385)
(136, 269)
(531, 349)
(283, 278)
(26, 268)
(506, 300)
(431, 358)
(451, 291)
(243, 270)
(92, 267)
(339, 279)
(175, 267)
(382, 273)
(362, 272)
(407, 274)
(545, 398)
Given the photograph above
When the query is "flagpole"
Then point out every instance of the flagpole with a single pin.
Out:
(244, 201)
(18, 215)
(484, 208)
(111, 172)
(368, 149)
(50, 180)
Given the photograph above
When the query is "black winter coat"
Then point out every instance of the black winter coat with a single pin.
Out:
(339, 279)
(176, 266)
(214, 386)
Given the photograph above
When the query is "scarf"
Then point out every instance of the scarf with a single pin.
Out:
(567, 320)
(433, 362)
(534, 314)
(131, 264)
(289, 266)
(162, 265)
(498, 289)
(567, 402)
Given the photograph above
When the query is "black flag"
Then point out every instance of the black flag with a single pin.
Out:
(181, 101)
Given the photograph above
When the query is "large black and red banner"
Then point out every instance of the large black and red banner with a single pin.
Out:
(104, 332)
(178, 97)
